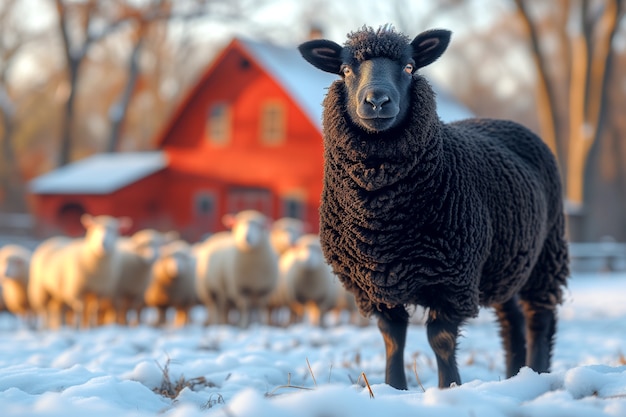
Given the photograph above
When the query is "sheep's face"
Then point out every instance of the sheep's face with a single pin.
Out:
(377, 69)
(249, 234)
(285, 232)
(377, 92)
(250, 229)
(165, 270)
(13, 267)
(102, 237)
(173, 266)
(310, 255)
(146, 244)
(102, 232)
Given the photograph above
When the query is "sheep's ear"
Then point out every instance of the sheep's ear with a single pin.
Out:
(429, 45)
(87, 220)
(229, 220)
(124, 224)
(323, 54)
(171, 236)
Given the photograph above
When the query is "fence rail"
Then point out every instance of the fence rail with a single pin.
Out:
(598, 256)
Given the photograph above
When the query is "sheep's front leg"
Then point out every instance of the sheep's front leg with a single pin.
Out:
(393, 324)
(442, 337)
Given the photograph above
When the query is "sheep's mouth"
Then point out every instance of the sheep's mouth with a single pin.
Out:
(378, 123)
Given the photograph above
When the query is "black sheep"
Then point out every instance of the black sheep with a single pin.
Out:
(447, 216)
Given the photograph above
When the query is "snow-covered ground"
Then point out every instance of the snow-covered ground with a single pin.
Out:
(307, 371)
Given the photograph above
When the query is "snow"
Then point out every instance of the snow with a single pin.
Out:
(311, 372)
(102, 173)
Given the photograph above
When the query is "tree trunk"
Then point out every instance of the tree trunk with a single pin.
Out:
(73, 64)
(119, 110)
(11, 180)
(597, 109)
(546, 97)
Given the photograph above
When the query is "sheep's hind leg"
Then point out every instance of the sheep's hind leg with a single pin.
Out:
(540, 329)
(511, 322)
(442, 337)
(393, 324)
(540, 297)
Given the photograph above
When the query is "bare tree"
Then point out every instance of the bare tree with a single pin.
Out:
(81, 25)
(583, 31)
(84, 24)
(9, 175)
(142, 18)
(12, 40)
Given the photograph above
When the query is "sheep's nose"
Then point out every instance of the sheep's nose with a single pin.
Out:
(376, 100)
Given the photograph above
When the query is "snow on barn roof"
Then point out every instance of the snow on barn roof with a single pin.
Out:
(100, 174)
(307, 85)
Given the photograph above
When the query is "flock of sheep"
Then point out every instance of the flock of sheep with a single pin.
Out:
(258, 270)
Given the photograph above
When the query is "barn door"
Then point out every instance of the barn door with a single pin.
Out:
(250, 198)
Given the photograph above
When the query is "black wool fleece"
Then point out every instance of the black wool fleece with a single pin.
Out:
(446, 216)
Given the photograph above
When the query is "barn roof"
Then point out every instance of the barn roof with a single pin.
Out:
(307, 85)
(102, 173)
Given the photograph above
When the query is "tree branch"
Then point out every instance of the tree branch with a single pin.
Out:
(546, 95)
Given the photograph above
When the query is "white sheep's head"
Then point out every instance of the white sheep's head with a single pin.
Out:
(146, 243)
(285, 232)
(175, 260)
(377, 68)
(250, 228)
(14, 262)
(308, 251)
(103, 231)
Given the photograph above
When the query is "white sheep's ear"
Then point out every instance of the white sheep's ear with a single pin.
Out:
(229, 220)
(429, 45)
(323, 54)
(171, 236)
(87, 220)
(124, 224)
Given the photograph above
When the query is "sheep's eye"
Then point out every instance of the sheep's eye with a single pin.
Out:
(346, 70)
(409, 68)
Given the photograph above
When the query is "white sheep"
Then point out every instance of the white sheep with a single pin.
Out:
(137, 255)
(14, 277)
(240, 268)
(307, 284)
(208, 295)
(285, 232)
(3, 305)
(346, 303)
(173, 283)
(78, 274)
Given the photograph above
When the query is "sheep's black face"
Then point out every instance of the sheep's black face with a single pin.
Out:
(377, 92)
(377, 68)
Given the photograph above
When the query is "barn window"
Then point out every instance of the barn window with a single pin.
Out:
(293, 205)
(204, 203)
(218, 124)
(273, 122)
(205, 212)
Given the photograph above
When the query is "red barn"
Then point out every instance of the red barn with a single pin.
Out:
(248, 135)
